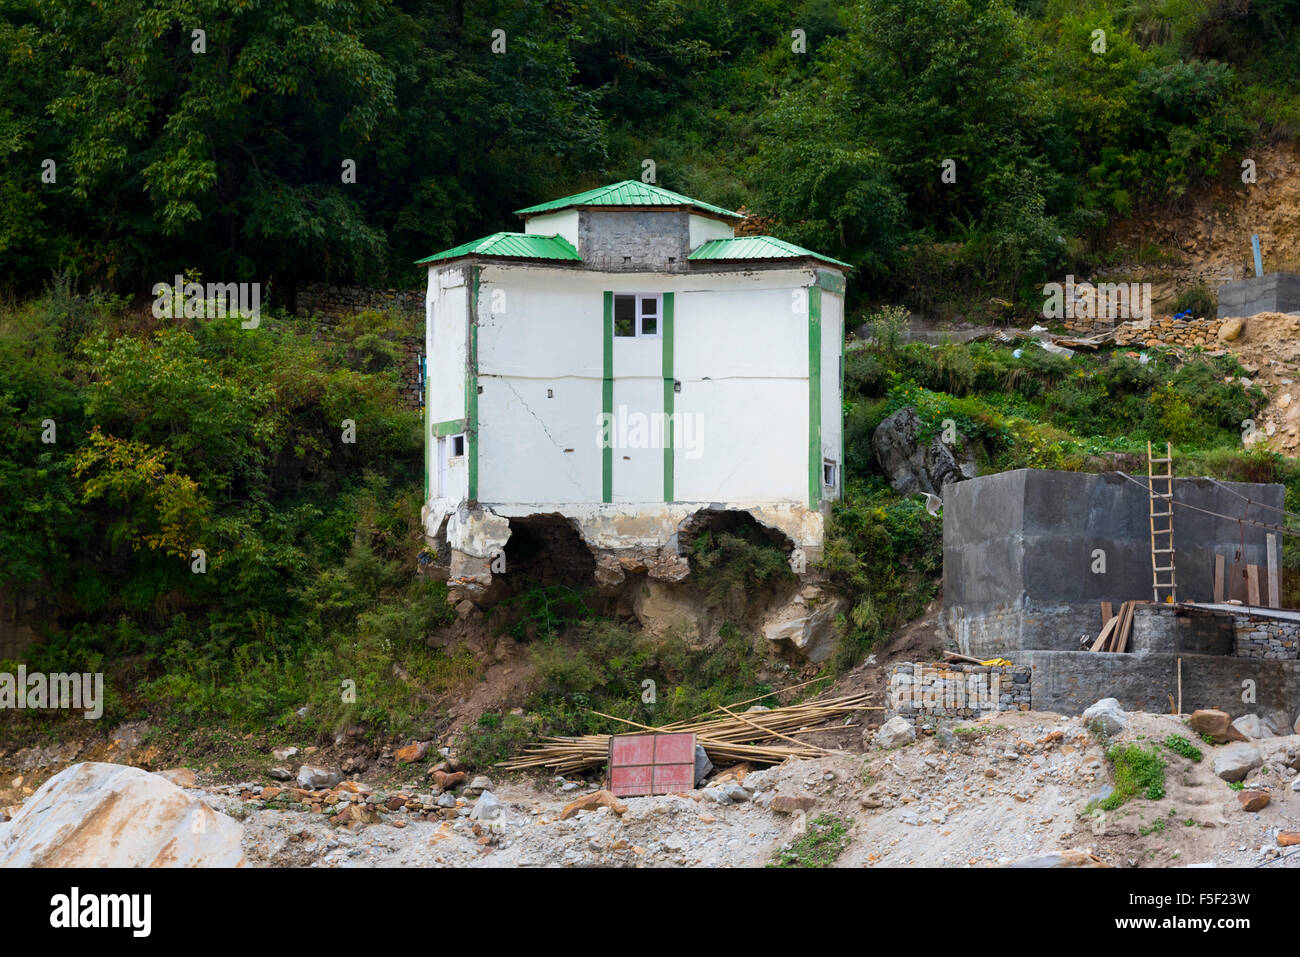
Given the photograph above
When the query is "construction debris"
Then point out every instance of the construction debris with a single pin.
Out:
(726, 740)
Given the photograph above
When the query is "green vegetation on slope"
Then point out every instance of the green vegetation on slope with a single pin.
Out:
(838, 119)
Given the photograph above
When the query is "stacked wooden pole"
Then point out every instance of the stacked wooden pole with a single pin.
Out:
(748, 736)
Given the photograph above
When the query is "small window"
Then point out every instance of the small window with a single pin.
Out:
(636, 315)
(457, 446)
(830, 474)
(625, 316)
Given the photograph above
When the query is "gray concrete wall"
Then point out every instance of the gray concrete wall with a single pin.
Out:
(1169, 629)
(1068, 682)
(1274, 292)
(1019, 552)
(617, 240)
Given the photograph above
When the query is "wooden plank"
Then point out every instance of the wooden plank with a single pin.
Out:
(1274, 580)
(1120, 642)
(1252, 584)
(1121, 619)
(1219, 596)
(1106, 613)
(1106, 631)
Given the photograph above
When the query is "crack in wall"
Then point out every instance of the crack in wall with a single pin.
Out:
(573, 479)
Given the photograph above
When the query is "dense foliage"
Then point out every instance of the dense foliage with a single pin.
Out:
(135, 444)
(228, 151)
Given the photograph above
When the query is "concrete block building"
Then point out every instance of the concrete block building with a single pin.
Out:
(1030, 555)
(1021, 566)
(621, 365)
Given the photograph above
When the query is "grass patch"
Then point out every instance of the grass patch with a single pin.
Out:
(1180, 745)
(825, 840)
(1137, 771)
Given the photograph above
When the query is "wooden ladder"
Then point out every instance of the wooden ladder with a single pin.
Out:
(1162, 509)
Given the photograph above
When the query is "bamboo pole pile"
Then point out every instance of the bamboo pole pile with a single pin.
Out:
(727, 736)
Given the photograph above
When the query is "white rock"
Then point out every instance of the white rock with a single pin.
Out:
(312, 778)
(894, 732)
(1252, 727)
(1106, 717)
(488, 807)
(113, 815)
(1236, 760)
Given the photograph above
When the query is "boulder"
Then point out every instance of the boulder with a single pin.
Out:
(1214, 724)
(790, 803)
(313, 778)
(113, 815)
(910, 466)
(1252, 727)
(1237, 760)
(895, 732)
(415, 751)
(1253, 800)
(737, 793)
(1231, 329)
(488, 807)
(1105, 717)
(806, 625)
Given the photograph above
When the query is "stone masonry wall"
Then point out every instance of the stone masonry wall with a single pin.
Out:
(921, 692)
(1266, 638)
(1159, 331)
(332, 303)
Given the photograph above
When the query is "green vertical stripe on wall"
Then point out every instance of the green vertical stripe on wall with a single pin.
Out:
(471, 388)
(814, 396)
(669, 382)
(427, 418)
(607, 406)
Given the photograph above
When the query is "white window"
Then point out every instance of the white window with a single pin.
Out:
(830, 474)
(636, 315)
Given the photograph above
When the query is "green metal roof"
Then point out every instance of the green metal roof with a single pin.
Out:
(512, 245)
(758, 247)
(630, 192)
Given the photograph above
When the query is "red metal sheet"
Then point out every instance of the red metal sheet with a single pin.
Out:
(675, 749)
(641, 764)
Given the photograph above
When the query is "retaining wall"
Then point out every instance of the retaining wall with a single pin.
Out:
(958, 692)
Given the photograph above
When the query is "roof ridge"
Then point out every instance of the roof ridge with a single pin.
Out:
(593, 197)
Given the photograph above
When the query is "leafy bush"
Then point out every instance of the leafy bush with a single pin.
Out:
(1199, 298)
(1137, 771)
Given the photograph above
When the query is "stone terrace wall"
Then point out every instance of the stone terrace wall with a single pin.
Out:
(956, 691)
(1159, 331)
(332, 303)
(1258, 637)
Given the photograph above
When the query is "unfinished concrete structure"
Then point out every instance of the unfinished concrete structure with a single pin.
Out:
(1030, 555)
(1274, 292)
(623, 365)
